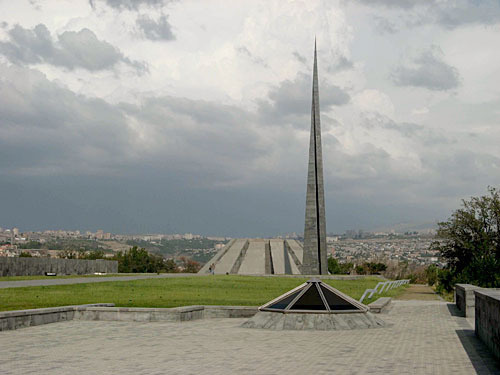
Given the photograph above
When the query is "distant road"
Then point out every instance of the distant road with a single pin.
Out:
(85, 280)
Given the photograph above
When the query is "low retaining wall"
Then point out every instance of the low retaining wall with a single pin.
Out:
(26, 318)
(488, 319)
(380, 304)
(465, 299)
(10, 266)
(106, 311)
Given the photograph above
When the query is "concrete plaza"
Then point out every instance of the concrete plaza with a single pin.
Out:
(425, 337)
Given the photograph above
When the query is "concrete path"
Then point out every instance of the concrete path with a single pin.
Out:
(419, 292)
(84, 280)
(424, 338)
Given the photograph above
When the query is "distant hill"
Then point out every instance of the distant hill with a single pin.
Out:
(425, 227)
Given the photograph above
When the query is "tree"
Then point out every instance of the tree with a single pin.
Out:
(188, 265)
(25, 254)
(67, 254)
(360, 270)
(431, 274)
(345, 268)
(470, 243)
(171, 266)
(375, 268)
(92, 255)
(139, 260)
(333, 266)
(30, 245)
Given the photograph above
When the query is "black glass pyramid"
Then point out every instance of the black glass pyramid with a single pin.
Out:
(314, 296)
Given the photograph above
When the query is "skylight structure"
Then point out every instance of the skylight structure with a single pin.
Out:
(314, 296)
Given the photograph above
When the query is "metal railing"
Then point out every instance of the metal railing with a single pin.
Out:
(383, 285)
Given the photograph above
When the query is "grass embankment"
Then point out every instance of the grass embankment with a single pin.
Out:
(41, 277)
(171, 292)
(419, 292)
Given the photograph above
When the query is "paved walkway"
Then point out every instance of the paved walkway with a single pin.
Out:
(84, 280)
(425, 338)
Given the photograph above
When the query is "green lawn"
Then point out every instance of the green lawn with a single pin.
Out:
(390, 293)
(169, 292)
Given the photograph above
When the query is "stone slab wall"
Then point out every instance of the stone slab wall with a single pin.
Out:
(26, 318)
(465, 299)
(488, 319)
(380, 305)
(38, 266)
(106, 311)
(139, 314)
(229, 311)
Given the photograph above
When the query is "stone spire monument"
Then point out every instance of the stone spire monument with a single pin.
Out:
(315, 258)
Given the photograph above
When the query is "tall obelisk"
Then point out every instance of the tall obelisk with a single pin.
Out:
(315, 259)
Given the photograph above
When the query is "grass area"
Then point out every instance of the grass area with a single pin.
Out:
(396, 292)
(41, 277)
(170, 292)
(447, 296)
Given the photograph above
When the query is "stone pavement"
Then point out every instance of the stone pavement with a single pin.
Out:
(425, 338)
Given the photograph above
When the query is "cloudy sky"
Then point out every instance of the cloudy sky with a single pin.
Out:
(194, 116)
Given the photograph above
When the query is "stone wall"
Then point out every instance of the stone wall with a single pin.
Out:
(10, 320)
(38, 266)
(488, 319)
(465, 298)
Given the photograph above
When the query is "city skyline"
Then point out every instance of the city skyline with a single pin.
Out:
(159, 116)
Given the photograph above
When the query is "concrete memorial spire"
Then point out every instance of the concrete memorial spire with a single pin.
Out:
(315, 258)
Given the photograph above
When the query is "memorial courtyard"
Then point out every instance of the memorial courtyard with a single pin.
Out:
(424, 335)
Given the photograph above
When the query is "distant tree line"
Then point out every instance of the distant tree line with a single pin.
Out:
(137, 260)
(367, 268)
(63, 244)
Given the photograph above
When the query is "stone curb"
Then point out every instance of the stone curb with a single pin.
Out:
(10, 320)
(380, 304)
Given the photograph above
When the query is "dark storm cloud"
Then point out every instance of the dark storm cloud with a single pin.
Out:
(418, 133)
(48, 129)
(339, 63)
(428, 71)
(336, 61)
(402, 4)
(449, 13)
(289, 101)
(72, 49)
(300, 58)
(453, 14)
(155, 29)
(173, 164)
(244, 51)
(130, 4)
(385, 26)
(73, 134)
(211, 139)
